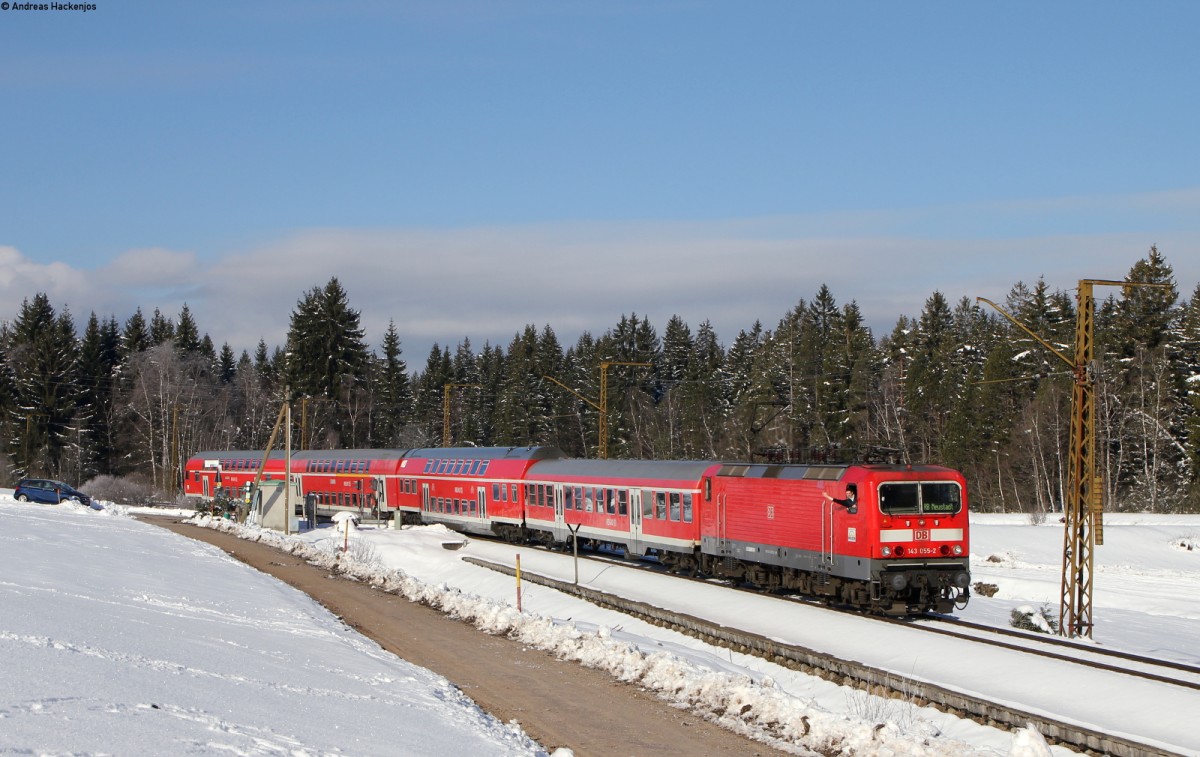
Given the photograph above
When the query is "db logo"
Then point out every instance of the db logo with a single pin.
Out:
(921, 535)
(3, 6)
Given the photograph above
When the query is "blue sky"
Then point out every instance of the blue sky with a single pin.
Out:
(466, 168)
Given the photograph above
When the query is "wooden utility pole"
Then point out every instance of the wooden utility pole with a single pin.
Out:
(602, 405)
(446, 408)
(1083, 512)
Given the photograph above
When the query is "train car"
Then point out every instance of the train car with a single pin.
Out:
(366, 482)
(639, 506)
(891, 539)
(888, 539)
(472, 489)
(226, 473)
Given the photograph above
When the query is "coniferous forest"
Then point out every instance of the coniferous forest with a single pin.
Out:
(956, 384)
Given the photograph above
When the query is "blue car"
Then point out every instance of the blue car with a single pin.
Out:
(49, 492)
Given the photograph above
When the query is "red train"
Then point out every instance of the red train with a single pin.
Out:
(889, 539)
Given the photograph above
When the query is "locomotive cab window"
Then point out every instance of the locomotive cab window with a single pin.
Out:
(940, 498)
(912, 498)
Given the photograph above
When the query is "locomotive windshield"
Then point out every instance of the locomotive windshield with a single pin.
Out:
(913, 498)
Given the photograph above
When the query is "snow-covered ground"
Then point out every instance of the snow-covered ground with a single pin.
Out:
(1146, 600)
(117, 637)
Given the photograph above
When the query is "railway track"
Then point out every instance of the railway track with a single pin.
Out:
(880, 681)
(1042, 645)
(1100, 658)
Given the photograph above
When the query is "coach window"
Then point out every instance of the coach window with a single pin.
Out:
(675, 506)
(568, 498)
(589, 498)
(515, 494)
(687, 508)
(660, 505)
(610, 501)
(647, 504)
(495, 492)
(623, 501)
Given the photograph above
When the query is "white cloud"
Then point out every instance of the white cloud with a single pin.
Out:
(488, 283)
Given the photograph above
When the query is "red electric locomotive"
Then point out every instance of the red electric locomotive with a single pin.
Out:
(893, 539)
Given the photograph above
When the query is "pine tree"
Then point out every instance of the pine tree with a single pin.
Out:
(44, 357)
(1151, 405)
(678, 352)
(579, 428)
(187, 334)
(393, 391)
(136, 337)
(1144, 313)
(632, 390)
(430, 389)
(162, 329)
(328, 353)
(1187, 342)
(703, 403)
(99, 358)
(227, 365)
(8, 396)
(933, 380)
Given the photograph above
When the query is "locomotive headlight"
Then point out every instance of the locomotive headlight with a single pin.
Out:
(958, 549)
(886, 551)
(898, 581)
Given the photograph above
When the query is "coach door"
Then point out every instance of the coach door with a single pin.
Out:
(425, 498)
(481, 499)
(560, 523)
(380, 484)
(635, 522)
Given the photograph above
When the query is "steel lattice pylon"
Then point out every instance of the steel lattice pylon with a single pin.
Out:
(1083, 512)
(1083, 509)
